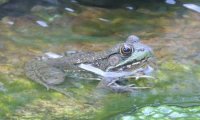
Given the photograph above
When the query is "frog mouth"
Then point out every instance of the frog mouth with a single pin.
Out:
(129, 66)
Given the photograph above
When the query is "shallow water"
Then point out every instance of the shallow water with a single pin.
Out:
(171, 30)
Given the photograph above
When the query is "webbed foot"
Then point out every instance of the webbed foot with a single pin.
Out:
(120, 88)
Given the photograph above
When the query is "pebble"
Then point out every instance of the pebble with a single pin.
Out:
(157, 115)
(172, 2)
(128, 118)
(164, 112)
(148, 111)
(177, 115)
(164, 109)
(42, 23)
(2, 45)
(71, 52)
(129, 7)
(2, 88)
(52, 55)
(69, 9)
(10, 22)
(104, 20)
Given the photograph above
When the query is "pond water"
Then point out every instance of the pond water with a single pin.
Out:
(172, 31)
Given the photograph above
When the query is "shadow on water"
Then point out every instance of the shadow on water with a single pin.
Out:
(23, 7)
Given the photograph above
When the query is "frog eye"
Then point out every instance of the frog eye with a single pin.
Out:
(126, 50)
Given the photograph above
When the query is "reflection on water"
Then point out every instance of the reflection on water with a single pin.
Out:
(171, 30)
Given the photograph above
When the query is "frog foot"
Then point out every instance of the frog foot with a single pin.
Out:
(120, 88)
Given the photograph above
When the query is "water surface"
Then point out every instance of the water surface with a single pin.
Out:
(171, 30)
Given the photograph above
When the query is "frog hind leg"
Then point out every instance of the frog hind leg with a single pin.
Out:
(43, 73)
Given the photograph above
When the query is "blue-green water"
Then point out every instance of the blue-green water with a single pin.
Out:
(171, 30)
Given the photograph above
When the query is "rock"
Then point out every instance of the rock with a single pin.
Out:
(128, 118)
(21, 7)
(42, 23)
(148, 111)
(164, 109)
(7, 20)
(39, 8)
(3, 1)
(53, 2)
(102, 3)
(177, 115)
(2, 88)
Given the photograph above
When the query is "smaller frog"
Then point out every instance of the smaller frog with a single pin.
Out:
(128, 59)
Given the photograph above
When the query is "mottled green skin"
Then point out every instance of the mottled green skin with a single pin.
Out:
(53, 71)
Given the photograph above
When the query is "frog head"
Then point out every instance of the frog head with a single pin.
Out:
(129, 55)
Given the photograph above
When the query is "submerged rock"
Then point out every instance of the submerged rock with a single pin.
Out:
(173, 112)
(2, 88)
(3, 1)
(42, 23)
(40, 8)
(22, 7)
(102, 3)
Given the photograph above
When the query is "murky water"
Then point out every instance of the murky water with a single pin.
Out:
(171, 30)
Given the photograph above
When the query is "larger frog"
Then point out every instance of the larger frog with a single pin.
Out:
(130, 56)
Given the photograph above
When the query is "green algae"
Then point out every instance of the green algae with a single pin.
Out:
(25, 99)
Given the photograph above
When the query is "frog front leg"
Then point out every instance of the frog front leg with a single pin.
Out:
(110, 84)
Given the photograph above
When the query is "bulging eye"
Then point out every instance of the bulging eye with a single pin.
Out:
(126, 50)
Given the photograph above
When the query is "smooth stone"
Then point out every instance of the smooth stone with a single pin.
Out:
(128, 118)
(172, 2)
(2, 88)
(3, 1)
(177, 115)
(148, 111)
(164, 109)
(42, 23)
(157, 115)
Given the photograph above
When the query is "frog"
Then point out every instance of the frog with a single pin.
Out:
(123, 60)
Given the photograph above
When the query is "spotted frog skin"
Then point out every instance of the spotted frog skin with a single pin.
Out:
(128, 56)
